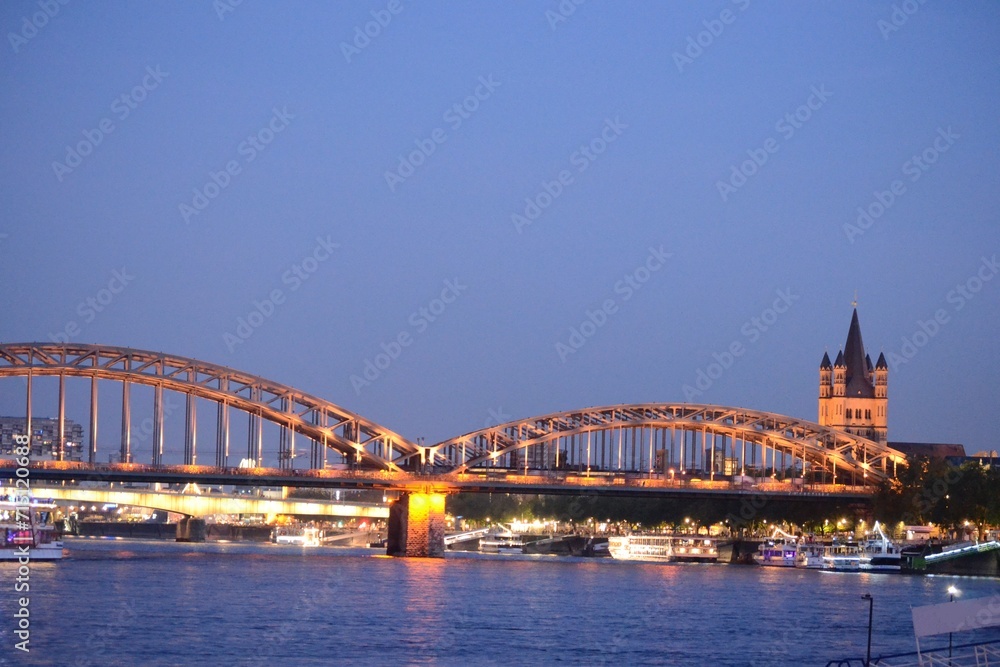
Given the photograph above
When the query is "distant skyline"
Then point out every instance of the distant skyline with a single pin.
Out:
(443, 217)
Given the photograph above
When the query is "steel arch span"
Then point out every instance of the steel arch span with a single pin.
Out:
(360, 440)
(669, 438)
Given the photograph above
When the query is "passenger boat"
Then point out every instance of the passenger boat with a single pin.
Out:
(779, 550)
(879, 554)
(307, 537)
(501, 543)
(652, 548)
(695, 550)
(29, 528)
(843, 558)
(810, 555)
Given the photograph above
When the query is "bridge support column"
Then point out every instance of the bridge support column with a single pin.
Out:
(191, 529)
(416, 526)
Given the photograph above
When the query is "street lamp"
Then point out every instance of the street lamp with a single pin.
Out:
(952, 592)
(871, 603)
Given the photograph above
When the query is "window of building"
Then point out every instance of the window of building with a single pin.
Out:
(848, 415)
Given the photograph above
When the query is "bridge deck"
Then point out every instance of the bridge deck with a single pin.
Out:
(553, 483)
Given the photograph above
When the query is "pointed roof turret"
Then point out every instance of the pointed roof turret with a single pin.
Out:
(826, 362)
(854, 358)
(880, 364)
(868, 362)
(839, 363)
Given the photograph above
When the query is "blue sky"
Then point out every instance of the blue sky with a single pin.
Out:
(271, 148)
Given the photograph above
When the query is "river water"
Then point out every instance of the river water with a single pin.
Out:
(146, 603)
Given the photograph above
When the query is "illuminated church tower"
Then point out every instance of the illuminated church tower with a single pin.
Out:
(852, 394)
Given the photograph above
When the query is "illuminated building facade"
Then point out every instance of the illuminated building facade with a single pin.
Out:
(853, 394)
(44, 437)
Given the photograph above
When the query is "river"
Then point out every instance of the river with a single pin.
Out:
(148, 603)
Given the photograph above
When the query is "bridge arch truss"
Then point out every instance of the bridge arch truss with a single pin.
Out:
(324, 424)
(675, 439)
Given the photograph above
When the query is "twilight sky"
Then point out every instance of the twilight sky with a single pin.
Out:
(522, 211)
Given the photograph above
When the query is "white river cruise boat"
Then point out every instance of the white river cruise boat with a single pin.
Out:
(843, 558)
(695, 550)
(29, 526)
(502, 542)
(664, 548)
(879, 554)
(810, 555)
(654, 548)
(306, 537)
(779, 550)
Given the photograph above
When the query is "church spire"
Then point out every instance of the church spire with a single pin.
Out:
(856, 363)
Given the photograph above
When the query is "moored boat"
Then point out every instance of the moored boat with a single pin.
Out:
(695, 550)
(653, 548)
(843, 558)
(879, 554)
(506, 542)
(306, 537)
(810, 555)
(28, 531)
(779, 550)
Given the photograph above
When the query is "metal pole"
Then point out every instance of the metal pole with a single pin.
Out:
(158, 425)
(190, 431)
(871, 603)
(92, 457)
(126, 452)
(27, 413)
(62, 417)
(952, 599)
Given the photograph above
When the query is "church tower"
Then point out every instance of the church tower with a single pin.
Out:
(853, 395)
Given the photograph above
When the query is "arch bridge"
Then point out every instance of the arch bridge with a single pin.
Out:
(326, 425)
(655, 448)
(675, 439)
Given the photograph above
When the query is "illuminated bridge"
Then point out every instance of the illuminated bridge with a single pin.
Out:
(654, 449)
(200, 505)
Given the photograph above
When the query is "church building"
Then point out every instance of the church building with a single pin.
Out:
(853, 393)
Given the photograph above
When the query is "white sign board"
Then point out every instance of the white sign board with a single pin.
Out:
(939, 619)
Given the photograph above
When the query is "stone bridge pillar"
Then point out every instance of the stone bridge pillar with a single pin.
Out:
(416, 526)
(191, 529)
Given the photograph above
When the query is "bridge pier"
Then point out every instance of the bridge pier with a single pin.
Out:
(191, 529)
(416, 526)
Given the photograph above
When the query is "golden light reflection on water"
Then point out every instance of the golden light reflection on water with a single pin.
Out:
(422, 591)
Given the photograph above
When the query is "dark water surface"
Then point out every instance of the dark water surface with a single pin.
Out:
(134, 603)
